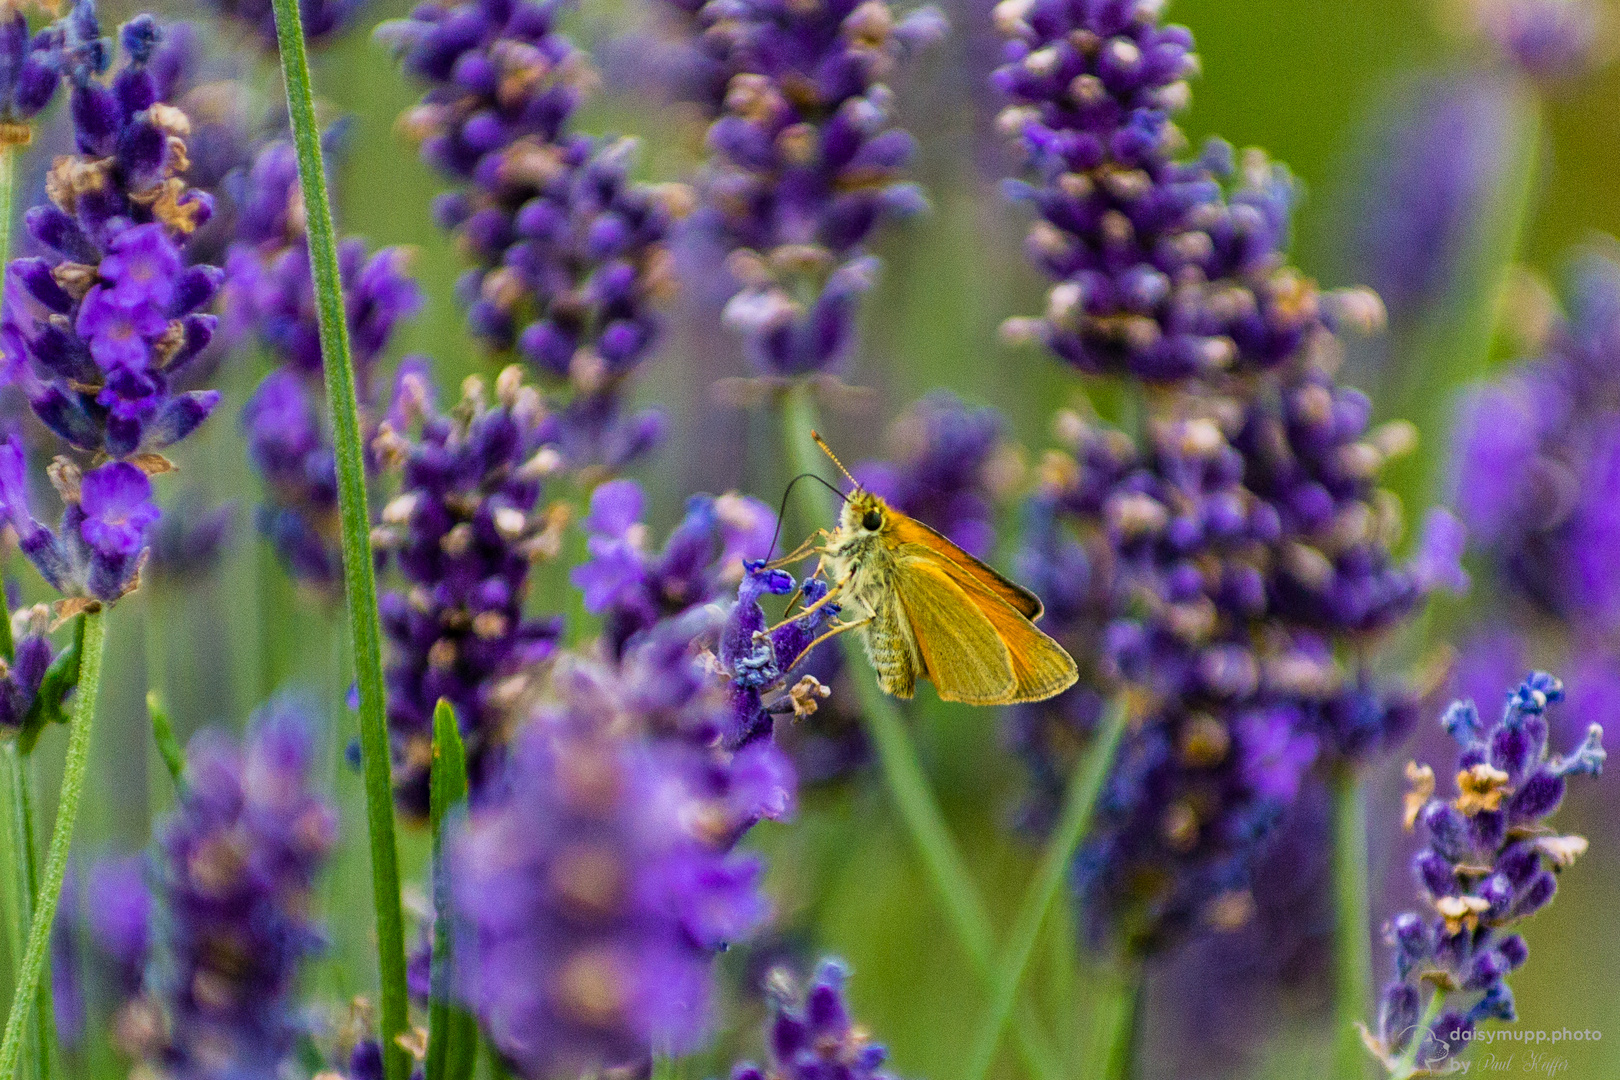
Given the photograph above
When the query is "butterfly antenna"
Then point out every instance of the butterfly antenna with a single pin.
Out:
(781, 511)
(825, 449)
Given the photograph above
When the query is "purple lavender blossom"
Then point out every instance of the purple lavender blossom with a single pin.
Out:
(100, 948)
(632, 587)
(97, 334)
(1549, 40)
(1535, 461)
(569, 256)
(1489, 862)
(270, 293)
(594, 889)
(1217, 570)
(233, 873)
(322, 20)
(805, 163)
(1153, 563)
(949, 455)
(815, 1036)
(22, 674)
(1164, 268)
(30, 70)
(1430, 177)
(190, 539)
(759, 663)
(465, 528)
(97, 551)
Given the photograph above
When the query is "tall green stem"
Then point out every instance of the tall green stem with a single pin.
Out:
(1122, 1016)
(24, 886)
(1352, 946)
(359, 578)
(29, 974)
(897, 757)
(1079, 806)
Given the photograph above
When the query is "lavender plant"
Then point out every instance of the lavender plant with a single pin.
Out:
(1219, 561)
(231, 880)
(569, 257)
(1490, 861)
(1221, 557)
(603, 870)
(805, 163)
(816, 1034)
(95, 334)
(270, 292)
(464, 529)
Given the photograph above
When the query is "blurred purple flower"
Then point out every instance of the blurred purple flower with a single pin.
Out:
(321, 19)
(570, 263)
(233, 875)
(805, 162)
(1549, 40)
(269, 292)
(594, 889)
(816, 1037)
(945, 476)
(1430, 177)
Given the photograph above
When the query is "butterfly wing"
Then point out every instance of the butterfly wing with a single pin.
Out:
(1040, 666)
(909, 531)
(961, 650)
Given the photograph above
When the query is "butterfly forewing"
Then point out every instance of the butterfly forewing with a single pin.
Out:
(1041, 667)
(910, 533)
(964, 655)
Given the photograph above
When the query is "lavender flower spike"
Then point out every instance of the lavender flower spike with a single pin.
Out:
(1164, 268)
(1549, 40)
(805, 163)
(465, 528)
(595, 887)
(270, 293)
(1489, 862)
(815, 1036)
(30, 70)
(235, 866)
(98, 333)
(570, 262)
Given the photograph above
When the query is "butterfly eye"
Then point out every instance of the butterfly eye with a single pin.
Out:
(872, 522)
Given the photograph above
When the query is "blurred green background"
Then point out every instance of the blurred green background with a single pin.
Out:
(1300, 78)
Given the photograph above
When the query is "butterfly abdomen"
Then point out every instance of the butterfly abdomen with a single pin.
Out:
(889, 648)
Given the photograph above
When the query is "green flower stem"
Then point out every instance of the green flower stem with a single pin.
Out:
(359, 576)
(32, 969)
(1407, 1065)
(897, 757)
(1121, 1019)
(1352, 946)
(23, 886)
(166, 743)
(1079, 806)
(452, 1035)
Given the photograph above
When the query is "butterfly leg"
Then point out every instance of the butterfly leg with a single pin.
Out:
(832, 594)
(811, 546)
(838, 628)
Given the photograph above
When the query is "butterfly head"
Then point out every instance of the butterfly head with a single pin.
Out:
(864, 514)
